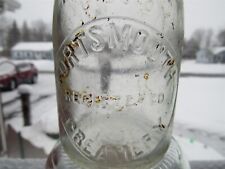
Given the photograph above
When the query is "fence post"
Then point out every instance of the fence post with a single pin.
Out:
(25, 92)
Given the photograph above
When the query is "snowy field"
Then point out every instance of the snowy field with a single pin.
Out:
(43, 109)
(200, 115)
(199, 121)
(201, 103)
(190, 66)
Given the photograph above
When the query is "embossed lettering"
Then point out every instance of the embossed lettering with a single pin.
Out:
(79, 137)
(95, 34)
(63, 69)
(71, 59)
(140, 42)
(146, 137)
(129, 100)
(68, 95)
(87, 99)
(170, 74)
(71, 125)
(76, 96)
(87, 146)
(117, 39)
(82, 47)
(158, 98)
(137, 152)
(160, 126)
(160, 50)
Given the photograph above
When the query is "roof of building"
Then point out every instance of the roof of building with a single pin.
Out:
(218, 50)
(33, 46)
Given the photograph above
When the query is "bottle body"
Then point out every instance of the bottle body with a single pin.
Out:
(117, 66)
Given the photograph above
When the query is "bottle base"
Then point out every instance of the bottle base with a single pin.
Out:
(173, 159)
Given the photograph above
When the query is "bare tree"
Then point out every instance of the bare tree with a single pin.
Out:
(198, 36)
(200, 39)
(9, 5)
(191, 47)
(13, 36)
(221, 37)
(25, 33)
(40, 31)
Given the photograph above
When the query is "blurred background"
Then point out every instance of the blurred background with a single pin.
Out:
(28, 114)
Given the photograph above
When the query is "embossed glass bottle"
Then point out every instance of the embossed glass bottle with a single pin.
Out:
(117, 65)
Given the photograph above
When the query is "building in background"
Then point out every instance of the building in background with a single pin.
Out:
(219, 53)
(32, 51)
(205, 56)
(214, 55)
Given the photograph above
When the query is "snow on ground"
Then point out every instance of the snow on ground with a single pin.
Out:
(45, 114)
(33, 134)
(196, 151)
(25, 89)
(44, 120)
(191, 66)
(9, 96)
(201, 103)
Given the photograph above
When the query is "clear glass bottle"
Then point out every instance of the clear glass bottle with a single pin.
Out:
(117, 65)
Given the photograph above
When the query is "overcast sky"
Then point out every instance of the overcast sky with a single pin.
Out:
(198, 13)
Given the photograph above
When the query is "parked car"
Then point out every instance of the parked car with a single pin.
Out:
(12, 75)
